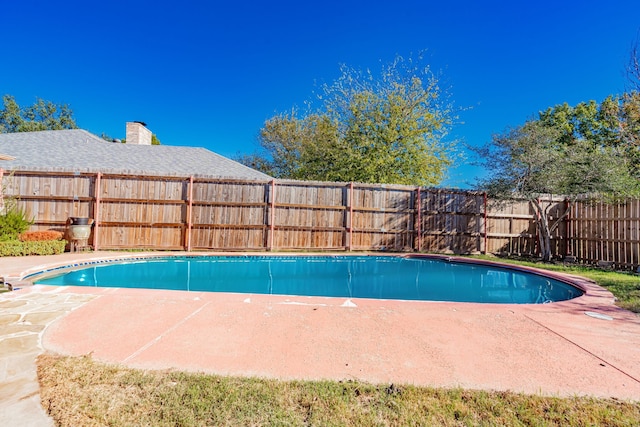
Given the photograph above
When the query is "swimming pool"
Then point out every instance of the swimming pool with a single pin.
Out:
(379, 277)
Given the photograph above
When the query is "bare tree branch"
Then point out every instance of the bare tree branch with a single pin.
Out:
(633, 67)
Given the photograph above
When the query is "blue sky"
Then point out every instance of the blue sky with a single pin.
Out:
(209, 73)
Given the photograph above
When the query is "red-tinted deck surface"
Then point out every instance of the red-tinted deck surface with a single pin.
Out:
(551, 349)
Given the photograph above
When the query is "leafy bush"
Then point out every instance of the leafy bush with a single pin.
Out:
(18, 248)
(13, 221)
(37, 236)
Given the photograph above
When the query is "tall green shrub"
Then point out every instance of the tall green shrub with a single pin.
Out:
(13, 221)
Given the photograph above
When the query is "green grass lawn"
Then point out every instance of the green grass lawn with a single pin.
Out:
(80, 391)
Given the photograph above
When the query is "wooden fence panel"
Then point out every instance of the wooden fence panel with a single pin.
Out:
(229, 215)
(383, 218)
(309, 215)
(511, 228)
(141, 212)
(632, 234)
(606, 232)
(452, 222)
(51, 199)
(156, 236)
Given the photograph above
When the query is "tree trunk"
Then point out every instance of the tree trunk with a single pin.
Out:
(544, 228)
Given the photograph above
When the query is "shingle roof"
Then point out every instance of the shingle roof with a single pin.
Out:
(80, 151)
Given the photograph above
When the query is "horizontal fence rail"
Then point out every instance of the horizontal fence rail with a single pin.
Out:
(192, 213)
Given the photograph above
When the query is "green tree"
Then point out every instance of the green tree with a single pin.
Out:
(42, 115)
(629, 126)
(614, 123)
(386, 129)
(537, 158)
(109, 138)
(588, 121)
(298, 148)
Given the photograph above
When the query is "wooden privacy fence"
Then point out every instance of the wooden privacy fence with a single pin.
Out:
(605, 232)
(191, 213)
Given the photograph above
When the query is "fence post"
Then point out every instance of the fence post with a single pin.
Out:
(187, 237)
(567, 231)
(350, 216)
(418, 206)
(1, 190)
(96, 211)
(485, 222)
(272, 225)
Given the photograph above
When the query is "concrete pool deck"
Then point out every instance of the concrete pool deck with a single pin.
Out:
(557, 349)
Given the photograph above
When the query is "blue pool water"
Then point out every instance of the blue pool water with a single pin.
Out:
(380, 277)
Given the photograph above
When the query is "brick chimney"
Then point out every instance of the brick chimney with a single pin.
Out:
(137, 133)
